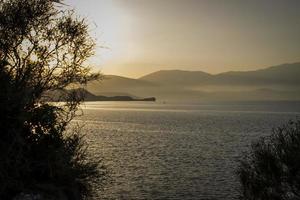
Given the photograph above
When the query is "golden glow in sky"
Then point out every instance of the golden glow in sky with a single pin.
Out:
(142, 36)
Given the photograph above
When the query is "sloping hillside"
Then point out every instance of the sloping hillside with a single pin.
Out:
(280, 82)
(177, 77)
(117, 85)
(285, 74)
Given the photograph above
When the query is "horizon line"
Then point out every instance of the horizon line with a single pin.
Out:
(213, 74)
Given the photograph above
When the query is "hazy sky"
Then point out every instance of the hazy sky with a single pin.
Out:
(143, 36)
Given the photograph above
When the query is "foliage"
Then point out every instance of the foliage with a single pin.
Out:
(43, 49)
(272, 170)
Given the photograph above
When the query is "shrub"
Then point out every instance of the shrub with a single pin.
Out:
(43, 49)
(272, 169)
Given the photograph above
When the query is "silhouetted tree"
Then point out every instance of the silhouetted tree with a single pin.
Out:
(43, 49)
(272, 170)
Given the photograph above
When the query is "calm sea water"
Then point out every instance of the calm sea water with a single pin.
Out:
(169, 151)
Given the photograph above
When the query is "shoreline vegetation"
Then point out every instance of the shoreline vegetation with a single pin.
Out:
(271, 169)
(44, 47)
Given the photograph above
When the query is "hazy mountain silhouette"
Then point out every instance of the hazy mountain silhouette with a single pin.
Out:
(118, 85)
(285, 74)
(280, 82)
(177, 77)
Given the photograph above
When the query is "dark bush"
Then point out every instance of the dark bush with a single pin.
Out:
(272, 169)
(43, 49)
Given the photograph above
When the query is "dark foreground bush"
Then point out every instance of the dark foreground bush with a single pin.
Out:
(43, 49)
(272, 170)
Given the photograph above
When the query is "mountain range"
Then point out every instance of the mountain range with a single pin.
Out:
(281, 82)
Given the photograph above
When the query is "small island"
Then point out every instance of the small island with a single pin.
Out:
(120, 98)
(88, 96)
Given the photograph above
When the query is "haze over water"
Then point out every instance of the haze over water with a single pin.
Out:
(187, 51)
(183, 90)
(177, 151)
(143, 36)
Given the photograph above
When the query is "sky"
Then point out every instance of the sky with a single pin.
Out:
(137, 37)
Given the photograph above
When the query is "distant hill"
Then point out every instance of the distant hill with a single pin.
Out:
(279, 82)
(177, 77)
(285, 74)
(119, 85)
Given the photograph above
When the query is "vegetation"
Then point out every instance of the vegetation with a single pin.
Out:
(272, 170)
(43, 48)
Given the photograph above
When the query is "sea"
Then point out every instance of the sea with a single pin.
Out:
(158, 150)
